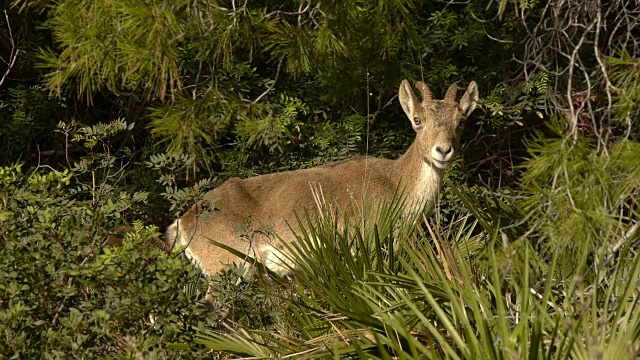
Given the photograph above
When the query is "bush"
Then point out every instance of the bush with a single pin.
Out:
(65, 292)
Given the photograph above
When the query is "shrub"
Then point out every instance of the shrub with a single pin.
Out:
(65, 291)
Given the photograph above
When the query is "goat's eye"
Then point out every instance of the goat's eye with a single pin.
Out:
(417, 121)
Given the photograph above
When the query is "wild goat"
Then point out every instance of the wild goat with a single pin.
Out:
(273, 200)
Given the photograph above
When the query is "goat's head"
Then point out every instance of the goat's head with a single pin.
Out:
(438, 123)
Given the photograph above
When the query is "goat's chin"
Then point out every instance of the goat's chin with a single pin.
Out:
(440, 164)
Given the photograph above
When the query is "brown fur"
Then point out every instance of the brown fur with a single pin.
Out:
(271, 200)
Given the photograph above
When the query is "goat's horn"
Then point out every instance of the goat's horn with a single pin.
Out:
(451, 93)
(424, 91)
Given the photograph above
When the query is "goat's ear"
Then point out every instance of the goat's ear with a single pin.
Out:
(469, 99)
(408, 99)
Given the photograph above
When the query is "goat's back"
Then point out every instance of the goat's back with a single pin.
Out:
(241, 211)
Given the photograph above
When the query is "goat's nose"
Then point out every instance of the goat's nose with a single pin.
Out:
(443, 151)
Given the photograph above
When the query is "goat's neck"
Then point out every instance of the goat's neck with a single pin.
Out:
(419, 181)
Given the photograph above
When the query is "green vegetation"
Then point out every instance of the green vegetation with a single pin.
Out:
(116, 116)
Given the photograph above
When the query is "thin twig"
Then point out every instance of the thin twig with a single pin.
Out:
(616, 248)
(270, 86)
(14, 51)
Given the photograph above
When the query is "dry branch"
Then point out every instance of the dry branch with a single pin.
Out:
(13, 56)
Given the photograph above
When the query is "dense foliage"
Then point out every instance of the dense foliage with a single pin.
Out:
(115, 116)
(66, 291)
